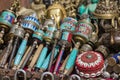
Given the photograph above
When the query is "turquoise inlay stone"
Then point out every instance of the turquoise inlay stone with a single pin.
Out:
(68, 24)
(7, 18)
(65, 35)
(92, 7)
(46, 62)
(38, 34)
(71, 59)
(82, 10)
(20, 52)
(94, 1)
(42, 57)
(49, 32)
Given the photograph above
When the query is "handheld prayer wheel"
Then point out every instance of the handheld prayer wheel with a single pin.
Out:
(57, 12)
(89, 64)
(48, 36)
(37, 39)
(84, 30)
(67, 27)
(86, 47)
(8, 49)
(7, 18)
(48, 62)
(30, 24)
(114, 59)
(56, 37)
(18, 36)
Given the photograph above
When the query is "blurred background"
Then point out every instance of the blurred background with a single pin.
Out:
(4, 4)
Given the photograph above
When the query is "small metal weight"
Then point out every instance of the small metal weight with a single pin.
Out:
(67, 28)
(45, 74)
(106, 74)
(20, 70)
(6, 78)
(75, 77)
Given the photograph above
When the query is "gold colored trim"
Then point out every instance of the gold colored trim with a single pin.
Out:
(4, 26)
(80, 38)
(47, 39)
(39, 34)
(105, 16)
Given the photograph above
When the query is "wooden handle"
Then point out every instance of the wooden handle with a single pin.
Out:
(63, 65)
(35, 57)
(22, 61)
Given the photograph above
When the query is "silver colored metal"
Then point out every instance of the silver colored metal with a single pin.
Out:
(19, 32)
(75, 77)
(20, 70)
(106, 74)
(46, 74)
(114, 76)
(86, 47)
(12, 30)
(6, 78)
